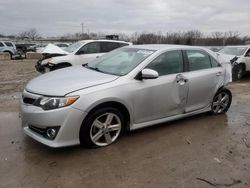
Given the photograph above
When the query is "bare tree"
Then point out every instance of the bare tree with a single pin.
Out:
(31, 34)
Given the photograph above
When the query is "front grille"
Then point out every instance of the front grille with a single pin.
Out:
(28, 100)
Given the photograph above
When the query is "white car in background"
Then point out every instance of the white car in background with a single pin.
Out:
(8, 47)
(243, 59)
(81, 52)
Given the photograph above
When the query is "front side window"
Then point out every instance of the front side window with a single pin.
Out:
(167, 63)
(74, 47)
(1, 44)
(198, 60)
(214, 63)
(90, 48)
(248, 53)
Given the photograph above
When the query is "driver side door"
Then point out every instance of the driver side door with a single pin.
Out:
(165, 96)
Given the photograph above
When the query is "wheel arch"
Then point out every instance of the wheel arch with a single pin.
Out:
(8, 51)
(115, 104)
(243, 64)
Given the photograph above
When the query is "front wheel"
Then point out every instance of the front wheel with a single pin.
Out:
(221, 101)
(102, 127)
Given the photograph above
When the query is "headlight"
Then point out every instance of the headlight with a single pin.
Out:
(49, 103)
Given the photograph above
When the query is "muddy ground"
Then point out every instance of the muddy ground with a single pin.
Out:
(202, 151)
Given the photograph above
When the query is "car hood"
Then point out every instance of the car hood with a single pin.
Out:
(67, 80)
(53, 49)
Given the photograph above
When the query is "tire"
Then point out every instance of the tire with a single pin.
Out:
(102, 127)
(221, 101)
(239, 72)
(10, 54)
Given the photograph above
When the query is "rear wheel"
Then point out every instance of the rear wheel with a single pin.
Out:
(102, 127)
(221, 101)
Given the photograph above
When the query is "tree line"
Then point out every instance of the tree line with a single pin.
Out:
(192, 37)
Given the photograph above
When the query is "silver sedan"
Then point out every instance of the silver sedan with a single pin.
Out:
(127, 89)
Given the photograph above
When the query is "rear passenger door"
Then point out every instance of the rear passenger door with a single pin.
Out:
(205, 76)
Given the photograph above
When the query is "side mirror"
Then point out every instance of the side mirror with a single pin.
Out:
(148, 74)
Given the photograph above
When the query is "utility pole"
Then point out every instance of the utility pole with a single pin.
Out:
(82, 28)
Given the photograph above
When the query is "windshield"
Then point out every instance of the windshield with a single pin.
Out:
(237, 51)
(121, 61)
(74, 47)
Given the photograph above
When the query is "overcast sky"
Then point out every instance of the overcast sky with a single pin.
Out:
(58, 17)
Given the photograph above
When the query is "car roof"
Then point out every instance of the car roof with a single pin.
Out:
(165, 47)
(238, 46)
(102, 40)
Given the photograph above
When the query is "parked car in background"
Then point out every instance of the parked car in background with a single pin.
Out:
(129, 88)
(243, 59)
(8, 47)
(37, 48)
(215, 48)
(22, 48)
(62, 45)
(81, 52)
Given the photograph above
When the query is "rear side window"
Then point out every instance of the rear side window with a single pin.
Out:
(9, 44)
(168, 63)
(109, 46)
(91, 48)
(1, 44)
(198, 60)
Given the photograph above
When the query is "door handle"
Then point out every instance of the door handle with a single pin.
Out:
(181, 79)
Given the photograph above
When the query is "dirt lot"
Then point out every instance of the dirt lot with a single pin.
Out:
(202, 151)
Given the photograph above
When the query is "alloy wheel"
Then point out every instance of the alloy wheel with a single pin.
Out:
(221, 102)
(105, 129)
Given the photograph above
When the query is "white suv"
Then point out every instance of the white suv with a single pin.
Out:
(243, 61)
(8, 47)
(81, 52)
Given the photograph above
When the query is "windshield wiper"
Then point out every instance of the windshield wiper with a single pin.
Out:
(92, 68)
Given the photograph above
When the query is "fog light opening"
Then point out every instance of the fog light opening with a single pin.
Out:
(51, 133)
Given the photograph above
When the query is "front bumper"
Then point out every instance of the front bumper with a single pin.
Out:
(39, 67)
(43, 65)
(68, 119)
